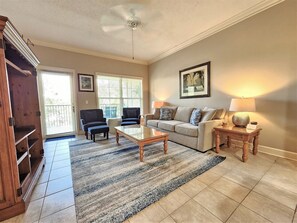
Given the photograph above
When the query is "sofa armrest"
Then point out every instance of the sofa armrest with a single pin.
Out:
(206, 137)
(148, 117)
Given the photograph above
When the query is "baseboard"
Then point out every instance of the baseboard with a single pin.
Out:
(270, 150)
(277, 152)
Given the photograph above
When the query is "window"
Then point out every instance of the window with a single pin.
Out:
(114, 93)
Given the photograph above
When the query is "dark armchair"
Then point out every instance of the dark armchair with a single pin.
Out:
(131, 115)
(90, 118)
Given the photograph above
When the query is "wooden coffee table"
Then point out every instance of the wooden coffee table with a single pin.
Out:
(142, 136)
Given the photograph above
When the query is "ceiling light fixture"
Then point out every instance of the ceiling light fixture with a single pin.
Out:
(133, 23)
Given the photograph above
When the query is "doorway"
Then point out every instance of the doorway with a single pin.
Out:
(57, 103)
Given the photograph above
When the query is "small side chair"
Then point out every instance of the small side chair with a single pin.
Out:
(131, 115)
(91, 118)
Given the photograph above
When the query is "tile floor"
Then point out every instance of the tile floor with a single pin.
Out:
(264, 189)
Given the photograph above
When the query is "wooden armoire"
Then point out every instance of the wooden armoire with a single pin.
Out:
(21, 145)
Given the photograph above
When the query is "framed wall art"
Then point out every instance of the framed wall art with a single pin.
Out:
(86, 82)
(194, 82)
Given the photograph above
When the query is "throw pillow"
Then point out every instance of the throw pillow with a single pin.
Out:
(166, 114)
(195, 117)
(207, 115)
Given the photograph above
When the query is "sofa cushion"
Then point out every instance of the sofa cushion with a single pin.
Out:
(168, 125)
(196, 116)
(153, 122)
(166, 114)
(183, 114)
(187, 129)
(207, 115)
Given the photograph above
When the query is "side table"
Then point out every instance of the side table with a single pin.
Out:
(243, 134)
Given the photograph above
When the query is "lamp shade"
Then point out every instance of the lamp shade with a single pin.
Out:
(243, 105)
(158, 104)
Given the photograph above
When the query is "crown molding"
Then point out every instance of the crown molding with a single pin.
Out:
(263, 5)
(13, 36)
(87, 52)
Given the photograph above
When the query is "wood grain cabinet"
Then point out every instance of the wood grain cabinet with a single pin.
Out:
(21, 145)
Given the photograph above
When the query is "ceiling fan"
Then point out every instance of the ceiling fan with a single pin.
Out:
(124, 18)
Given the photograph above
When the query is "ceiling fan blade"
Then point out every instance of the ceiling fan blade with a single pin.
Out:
(112, 28)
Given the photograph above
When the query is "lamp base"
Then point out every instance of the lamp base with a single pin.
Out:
(241, 119)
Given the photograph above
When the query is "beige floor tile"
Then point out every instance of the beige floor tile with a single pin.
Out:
(219, 170)
(282, 177)
(173, 200)
(39, 191)
(57, 202)
(61, 157)
(155, 213)
(208, 177)
(230, 189)
(244, 179)
(193, 187)
(291, 164)
(139, 218)
(61, 152)
(229, 163)
(267, 208)
(255, 167)
(243, 214)
(168, 220)
(67, 215)
(127, 221)
(193, 212)
(33, 212)
(60, 164)
(43, 177)
(280, 195)
(47, 166)
(61, 172)
(59, 185)
(217, 203)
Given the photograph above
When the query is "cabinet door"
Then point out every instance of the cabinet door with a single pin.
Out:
(8, 171)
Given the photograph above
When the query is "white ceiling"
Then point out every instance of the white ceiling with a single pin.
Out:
(167, 25)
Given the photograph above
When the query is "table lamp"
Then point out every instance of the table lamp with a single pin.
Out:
(157, 104)
(242, 106)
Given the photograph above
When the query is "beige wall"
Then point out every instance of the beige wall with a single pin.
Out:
(255, 58)
(86, 64)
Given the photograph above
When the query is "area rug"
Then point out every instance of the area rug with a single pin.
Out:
(111, 184)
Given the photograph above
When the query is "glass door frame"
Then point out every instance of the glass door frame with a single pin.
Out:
(71, 73)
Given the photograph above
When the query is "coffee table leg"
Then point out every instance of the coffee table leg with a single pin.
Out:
(141, 152)
(117, 137)
(165, 146)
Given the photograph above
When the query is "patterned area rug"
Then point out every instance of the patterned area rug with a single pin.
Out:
(111, 185)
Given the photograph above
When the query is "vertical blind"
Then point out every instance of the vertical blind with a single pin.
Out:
(114, 93)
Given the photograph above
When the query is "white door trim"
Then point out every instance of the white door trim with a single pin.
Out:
(72, 73)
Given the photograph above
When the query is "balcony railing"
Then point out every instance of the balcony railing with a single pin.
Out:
(58, 119)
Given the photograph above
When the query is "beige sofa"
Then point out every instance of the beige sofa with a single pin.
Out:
(181, 131)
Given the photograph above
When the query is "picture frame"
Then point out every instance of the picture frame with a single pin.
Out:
(194, 82)
(86, 82)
